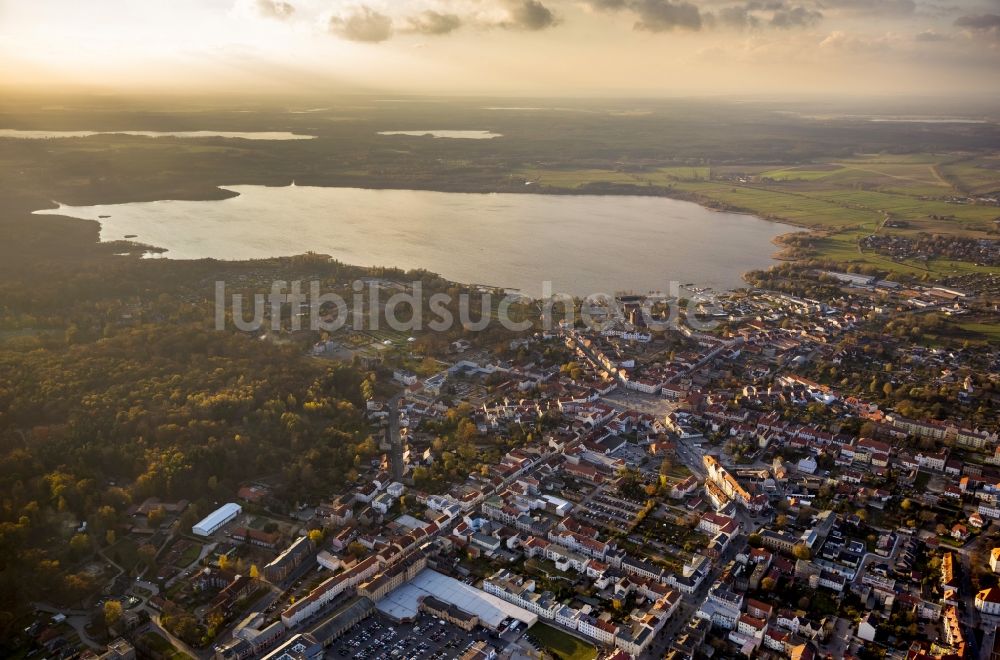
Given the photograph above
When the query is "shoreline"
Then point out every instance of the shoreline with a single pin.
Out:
(222, 192)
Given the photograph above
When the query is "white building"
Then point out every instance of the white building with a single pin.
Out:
(405, 377)
(807, 465)
(866, 630)
(603, 631)
(751, 626)
(932, 461)
(215, 520)
(988, 601)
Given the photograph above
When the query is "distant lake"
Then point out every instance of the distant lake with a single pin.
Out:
(891, 120)
(582, 243)
(254, 135)
(456, 135)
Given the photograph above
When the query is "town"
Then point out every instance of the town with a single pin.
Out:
(500, 330)
(749, 491)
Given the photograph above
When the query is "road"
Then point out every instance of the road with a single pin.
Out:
(989, 635)
(692, 458)
(594, 360)
(396, 450)
(177, 643)
(691, 603)
(971, 620)
(183, 573)
(77, 619)
(878, 559)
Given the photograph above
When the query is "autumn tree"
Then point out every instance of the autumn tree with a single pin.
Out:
(147, 554)
(156, 516)
(112, 612)
(79, 545)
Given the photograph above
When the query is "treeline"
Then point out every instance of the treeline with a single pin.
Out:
(172, 411)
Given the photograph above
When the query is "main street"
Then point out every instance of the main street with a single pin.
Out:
(691, 603)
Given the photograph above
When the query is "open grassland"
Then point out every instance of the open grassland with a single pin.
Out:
(562, 645)
(983, 332)
(847, 199)
(575, 178)
(789, 205)
(976, 176)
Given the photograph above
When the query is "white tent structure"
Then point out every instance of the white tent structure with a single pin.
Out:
(213, 521)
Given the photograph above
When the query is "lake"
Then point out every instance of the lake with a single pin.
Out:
(455, 135)
(254, 135)
(581, 243)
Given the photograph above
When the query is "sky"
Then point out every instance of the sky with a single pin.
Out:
(645, 48)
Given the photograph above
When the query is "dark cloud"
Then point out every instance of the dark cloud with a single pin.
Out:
(608, 5)
(796, 17)
(982, 23)
(529, 15)
(275, 9)
(738, 16)
(362, 24)
(432, 22)
(880, 7)
(665, 15)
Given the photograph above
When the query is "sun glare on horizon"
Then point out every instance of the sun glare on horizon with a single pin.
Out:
(551, 47)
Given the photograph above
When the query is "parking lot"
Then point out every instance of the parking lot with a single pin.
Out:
(604, 510)
(378, 638)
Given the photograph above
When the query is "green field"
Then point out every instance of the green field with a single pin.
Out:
(982, 331)
(157, 644)
(846, 199)
(575, 178)
(561, 644)
(125, 553)
(189, 556)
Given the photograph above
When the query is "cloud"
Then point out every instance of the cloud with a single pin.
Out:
(796, 17)
(931, 35)
(986, 24)
(849, 43)
(608, 5)
(738, 16)
(275, 9)
(432, 22)
(879, 7)
(362, 24)
(529, 15)
(665, 15)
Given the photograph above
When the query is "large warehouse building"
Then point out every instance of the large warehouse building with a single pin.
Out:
(215, 520)
(403, 604)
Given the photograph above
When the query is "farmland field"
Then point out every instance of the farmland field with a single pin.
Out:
(846, 199)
